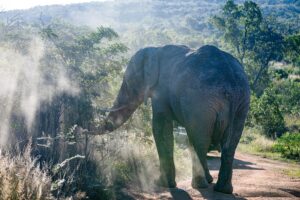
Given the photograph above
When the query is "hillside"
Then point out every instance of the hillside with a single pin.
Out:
(159, 21)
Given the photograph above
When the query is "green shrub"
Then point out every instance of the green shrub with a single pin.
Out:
(288, 94)
(265, 112)
(280, 74)
(288, 145)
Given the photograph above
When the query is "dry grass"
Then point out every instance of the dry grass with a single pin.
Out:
(292, 172)
(292, 123)
(21, 179)
(255, 143)
(136, 163)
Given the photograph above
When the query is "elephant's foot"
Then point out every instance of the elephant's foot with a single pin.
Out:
(209, 178)
(224, 188)
(161, 182)
(199, 182)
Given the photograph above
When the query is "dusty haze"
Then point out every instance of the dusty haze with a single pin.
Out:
(24, 85)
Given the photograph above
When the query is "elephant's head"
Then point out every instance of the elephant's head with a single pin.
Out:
(140, 77)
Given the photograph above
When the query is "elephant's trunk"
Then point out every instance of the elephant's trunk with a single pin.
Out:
(126, 103)
(124, 106)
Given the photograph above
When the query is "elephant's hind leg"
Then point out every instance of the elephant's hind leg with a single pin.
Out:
(200, 139)
(199, 171)
(228, 146)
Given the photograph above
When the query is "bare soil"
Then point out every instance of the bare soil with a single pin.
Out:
(253, 178)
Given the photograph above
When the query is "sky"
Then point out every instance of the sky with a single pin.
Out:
(24, 4)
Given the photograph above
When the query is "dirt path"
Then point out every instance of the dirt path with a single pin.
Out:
(253, 178)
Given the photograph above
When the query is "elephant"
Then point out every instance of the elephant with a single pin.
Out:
(204, 90)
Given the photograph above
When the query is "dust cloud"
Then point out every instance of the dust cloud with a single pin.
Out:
(25, 85)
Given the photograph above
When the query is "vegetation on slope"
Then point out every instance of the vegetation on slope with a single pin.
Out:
(80, 69)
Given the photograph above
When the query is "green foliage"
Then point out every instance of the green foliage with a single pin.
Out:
(251, 38)
(265, 112)
(288, 95)
(141, 121)
(93, 60)
(280, 74)
(292, 49)
(288, 145)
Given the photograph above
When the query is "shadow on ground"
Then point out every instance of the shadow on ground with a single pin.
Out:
(180, 194)
(214, 164)
(210, 194)
(295, 193)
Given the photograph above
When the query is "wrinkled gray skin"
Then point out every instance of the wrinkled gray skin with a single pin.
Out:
(205, 90)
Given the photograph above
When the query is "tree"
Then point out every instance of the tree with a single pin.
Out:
(71, 72)
(267, 46)
(93, 60)
(252, 40)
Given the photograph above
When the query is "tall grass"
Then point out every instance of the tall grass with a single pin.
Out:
(20, 178)
(254, 142)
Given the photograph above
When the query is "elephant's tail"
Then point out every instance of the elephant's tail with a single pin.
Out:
(229, 132)
(218, 132)
(238, 108)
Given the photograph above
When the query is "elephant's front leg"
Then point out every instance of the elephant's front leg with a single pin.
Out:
(164, 139)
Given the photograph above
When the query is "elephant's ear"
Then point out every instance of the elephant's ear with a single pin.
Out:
(151, 71)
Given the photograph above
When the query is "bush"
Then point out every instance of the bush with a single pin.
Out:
(288, 96)
(280, 74)
(265, 112)
(289, 146)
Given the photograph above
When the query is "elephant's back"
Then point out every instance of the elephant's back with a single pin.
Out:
(213, 67)
(208, 76)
